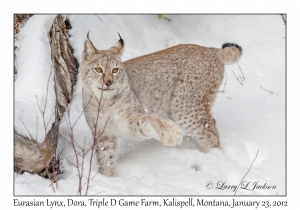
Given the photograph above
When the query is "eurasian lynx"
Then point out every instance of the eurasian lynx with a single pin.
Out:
(163, 95)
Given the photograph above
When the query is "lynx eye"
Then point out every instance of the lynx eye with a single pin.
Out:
(115, 70)
(98, 69)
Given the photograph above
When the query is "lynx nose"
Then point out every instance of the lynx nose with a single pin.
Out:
(108, 83)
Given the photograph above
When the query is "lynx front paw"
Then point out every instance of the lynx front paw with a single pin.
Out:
(170, 134)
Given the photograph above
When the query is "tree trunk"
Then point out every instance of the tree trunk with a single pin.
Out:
(29, 155)
(64, 64)
(19, 21)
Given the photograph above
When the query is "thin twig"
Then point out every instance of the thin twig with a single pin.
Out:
(99, 193)
(94, 143)
(99, 18)
(50, 118)
(26, 129)
(82, 112)
(237, 78)
(47, 89)
(76, 154)
(241, 71)
(247, 172)
(42, 111)
(168, 19)
(81, 153)
(228, 97)
(266, 90)
(69, 161)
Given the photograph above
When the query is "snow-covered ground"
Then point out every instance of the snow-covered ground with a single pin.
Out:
(249, 118)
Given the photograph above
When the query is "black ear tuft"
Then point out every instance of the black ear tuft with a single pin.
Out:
(121, 40)
(119, 35)
(232, 45)
(88, 34)
(118, 47)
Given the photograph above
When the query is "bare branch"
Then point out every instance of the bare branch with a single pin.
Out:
(37, 101)
(237, 78)
(82, 112)
(27, 129)
(247, 172)
(95, 137)
(168, 19)
(69, 128)
(266, 90)
(99, 193)
(50, 119)
(70, 161)
(241, 71)
(99, 18)
(45, 105)
(80, 151)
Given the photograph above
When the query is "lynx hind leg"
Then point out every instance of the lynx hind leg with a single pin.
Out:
(106, 155)
(198, 122)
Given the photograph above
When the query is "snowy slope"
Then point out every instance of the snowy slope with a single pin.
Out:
(248, 117)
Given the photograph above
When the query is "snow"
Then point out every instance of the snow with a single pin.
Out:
(34, 69)
(248, 117)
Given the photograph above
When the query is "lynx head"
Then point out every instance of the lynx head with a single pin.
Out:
(102, 72)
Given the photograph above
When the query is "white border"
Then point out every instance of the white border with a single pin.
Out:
(153, 6)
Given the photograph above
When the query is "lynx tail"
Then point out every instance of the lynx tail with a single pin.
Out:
(231, 53)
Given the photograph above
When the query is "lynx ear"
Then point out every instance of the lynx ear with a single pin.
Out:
(88, 46)
(118, 48)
